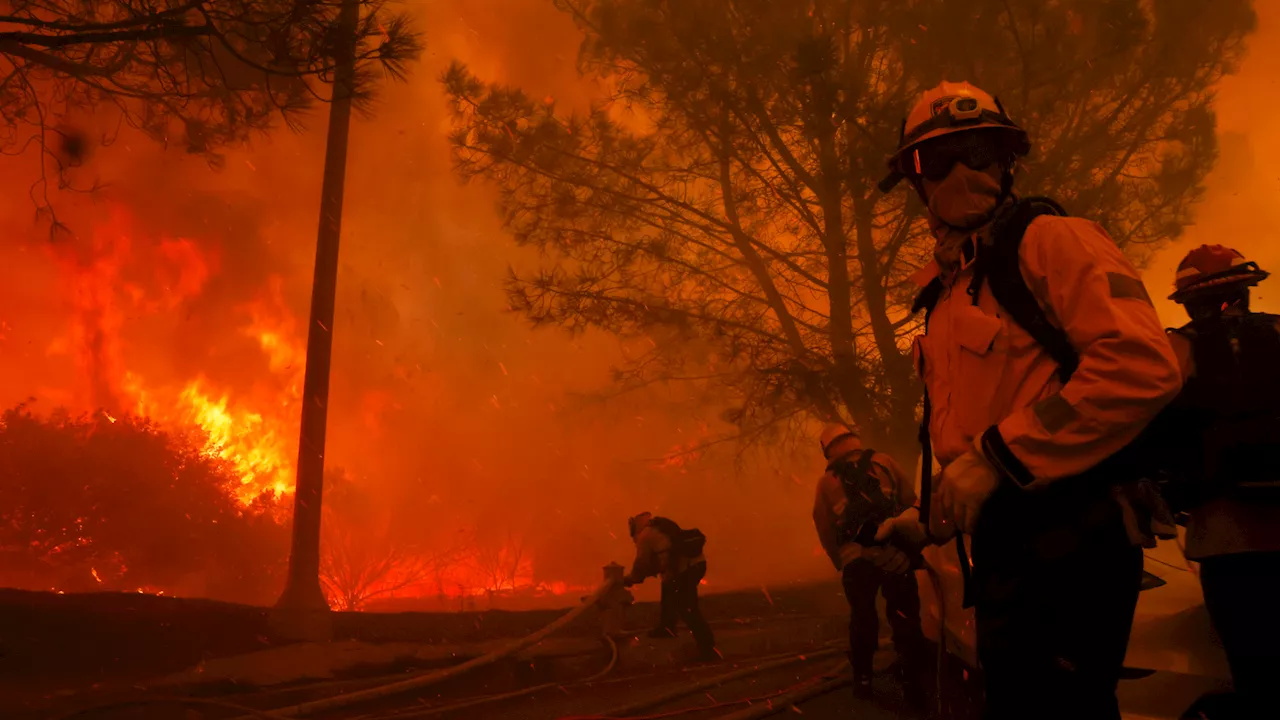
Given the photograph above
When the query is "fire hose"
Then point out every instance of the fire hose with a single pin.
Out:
(472, 702)
(826, 684)
(374, 693)
(819, 684)
(768, 663)
(395, 688)
(656, 700)
(936, 579)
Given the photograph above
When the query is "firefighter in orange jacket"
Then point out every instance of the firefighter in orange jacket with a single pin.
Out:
(1055, 572)
(1228, 417)
(870, 569)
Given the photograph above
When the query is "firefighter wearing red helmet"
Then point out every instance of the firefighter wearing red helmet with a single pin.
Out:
(1226, 470)
(1213, 272)
(1042, 359)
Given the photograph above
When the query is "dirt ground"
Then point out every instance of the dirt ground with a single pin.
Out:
(59, 644)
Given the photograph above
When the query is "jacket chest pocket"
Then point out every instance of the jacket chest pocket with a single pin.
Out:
(978, 359)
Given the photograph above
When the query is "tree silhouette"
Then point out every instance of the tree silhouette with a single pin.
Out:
(360, 564)
(204, 74)
(363, 558)
(721, 199)
(501, 565)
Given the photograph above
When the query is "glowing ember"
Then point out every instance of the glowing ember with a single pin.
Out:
(680, 456)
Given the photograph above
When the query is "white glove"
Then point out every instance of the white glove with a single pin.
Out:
(906, 526)
(888, 558)
(966, 484)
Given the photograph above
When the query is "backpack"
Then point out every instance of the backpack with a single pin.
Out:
(685, 543)
(866, 505)
(1222, 433)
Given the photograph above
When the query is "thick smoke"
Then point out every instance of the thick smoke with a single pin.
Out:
(1242, 206)
(447, 411)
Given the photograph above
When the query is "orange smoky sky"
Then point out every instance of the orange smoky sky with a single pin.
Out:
(445, 406)
(1242, 206)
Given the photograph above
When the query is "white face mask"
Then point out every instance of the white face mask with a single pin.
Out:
(965, 198)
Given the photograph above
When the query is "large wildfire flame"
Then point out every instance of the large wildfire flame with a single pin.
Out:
(120, 275)
(255, 434)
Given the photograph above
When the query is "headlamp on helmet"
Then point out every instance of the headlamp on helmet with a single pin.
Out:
(953, 111)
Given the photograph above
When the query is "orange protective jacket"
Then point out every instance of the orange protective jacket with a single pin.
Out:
(1224, 525)
(992, 385)
(829, 505)
(988, 376)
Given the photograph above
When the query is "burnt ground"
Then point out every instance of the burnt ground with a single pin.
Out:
(56, 649)
(59, 645)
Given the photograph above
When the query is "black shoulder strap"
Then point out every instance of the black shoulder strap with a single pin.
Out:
(1263, 320)
(1003, 275)
(864, 463)
(852, 479)
(666, 526)
(926, 300)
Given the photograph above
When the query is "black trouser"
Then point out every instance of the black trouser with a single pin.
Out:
(1055, 589)
(1240, 594)
(680, 601)
(862, 581)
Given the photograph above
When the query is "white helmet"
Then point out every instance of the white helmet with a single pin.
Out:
(833, 434)
(949, 108)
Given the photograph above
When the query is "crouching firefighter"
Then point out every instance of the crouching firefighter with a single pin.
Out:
(664, 548)
(861, 489)
(1042, 359)
(1222, 436)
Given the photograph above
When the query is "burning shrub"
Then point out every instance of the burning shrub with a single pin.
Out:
(366, 557)
(114, 503)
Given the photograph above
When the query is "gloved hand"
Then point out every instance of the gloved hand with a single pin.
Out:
(887, 558)
(941, 528)
(906, 526)
(966, 484)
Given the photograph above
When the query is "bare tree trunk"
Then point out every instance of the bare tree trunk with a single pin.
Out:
(302, 590)
(849, 380)
(901, 435)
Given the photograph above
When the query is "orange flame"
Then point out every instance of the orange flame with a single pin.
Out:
(255, 435)
(123, 274)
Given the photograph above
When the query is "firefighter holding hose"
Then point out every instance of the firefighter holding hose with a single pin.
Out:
(860, 489)
(664, 548)
(1042, 359)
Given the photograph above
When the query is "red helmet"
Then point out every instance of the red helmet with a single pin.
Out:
(1214, 266)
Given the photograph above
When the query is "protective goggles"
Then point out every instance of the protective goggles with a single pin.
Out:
(934, 159)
